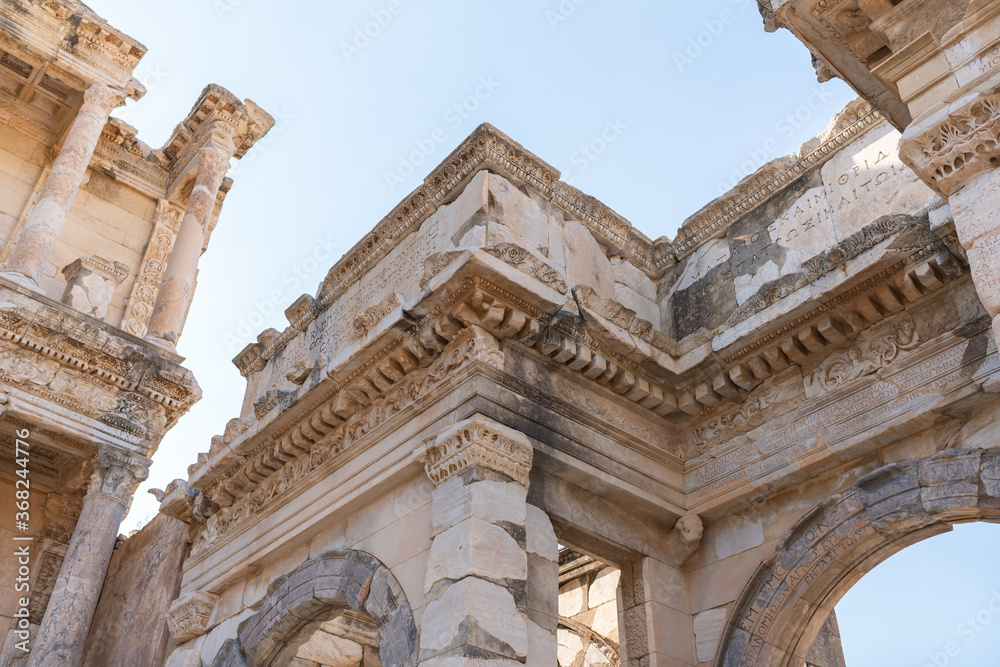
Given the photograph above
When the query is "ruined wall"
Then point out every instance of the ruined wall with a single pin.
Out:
(830, 198)
(394, 527)
(130, 624)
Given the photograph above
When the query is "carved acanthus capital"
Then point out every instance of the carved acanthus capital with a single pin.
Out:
(213, 163)
(105, 98)
(478, 442)
(189, 615)
(954, 144)
(116, 473)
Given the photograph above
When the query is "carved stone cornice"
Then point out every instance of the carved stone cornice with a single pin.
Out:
(478, 442)
(856, 119)
(819, 265)
(956, 143)
(244, 486)
(217, 119)
(122, 155)
(71, 34)
(841, 318)
(116, 474)
(485, 148)
(58, 353)
(189, 615)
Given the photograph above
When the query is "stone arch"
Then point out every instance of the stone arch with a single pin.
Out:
(788, 598)
(313, 593)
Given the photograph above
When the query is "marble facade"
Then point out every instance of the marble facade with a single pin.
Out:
(509, 428)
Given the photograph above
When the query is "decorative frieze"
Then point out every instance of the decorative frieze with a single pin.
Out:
(864, 359)
(146, 286)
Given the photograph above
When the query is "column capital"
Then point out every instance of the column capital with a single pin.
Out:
(478, 442)
(115, 473)
(213, 161)
(105, 98)
(954, 144)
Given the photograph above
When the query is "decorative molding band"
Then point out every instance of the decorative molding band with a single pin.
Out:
(851, 123)
(90, 351)
(270, 470)
(478, 442)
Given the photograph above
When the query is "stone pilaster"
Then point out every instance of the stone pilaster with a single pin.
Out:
(45, 222)
(478, 568)
(956, 150)
(67, 619)
(178, 280)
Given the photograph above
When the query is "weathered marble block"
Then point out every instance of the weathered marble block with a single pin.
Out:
(90, 284)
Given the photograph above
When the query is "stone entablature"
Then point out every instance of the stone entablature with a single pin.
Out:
(855, 238)
(120, 385)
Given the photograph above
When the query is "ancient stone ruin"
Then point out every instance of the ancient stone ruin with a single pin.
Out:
(508, 428)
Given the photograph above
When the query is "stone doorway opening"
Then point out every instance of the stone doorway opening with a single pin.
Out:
(789, 598)
(349, 639)
(936, 602)
(588, 632)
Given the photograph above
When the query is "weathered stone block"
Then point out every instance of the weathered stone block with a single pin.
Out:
(492, 501)
(475, 548)
(474, 613)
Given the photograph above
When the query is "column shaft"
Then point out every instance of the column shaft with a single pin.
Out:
(63, 633)
(178, 279)
(61, 637)
(46, 220)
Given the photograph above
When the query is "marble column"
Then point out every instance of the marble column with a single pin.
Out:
(477, 571)
(63, 632)
(178, 279)
(45, 222)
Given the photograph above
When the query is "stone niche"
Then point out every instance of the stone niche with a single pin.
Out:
(91, 282)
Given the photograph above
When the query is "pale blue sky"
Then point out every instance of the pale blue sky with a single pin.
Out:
(689, 97)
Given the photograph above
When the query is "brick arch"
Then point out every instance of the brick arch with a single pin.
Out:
(789, 597)
(313, 593)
